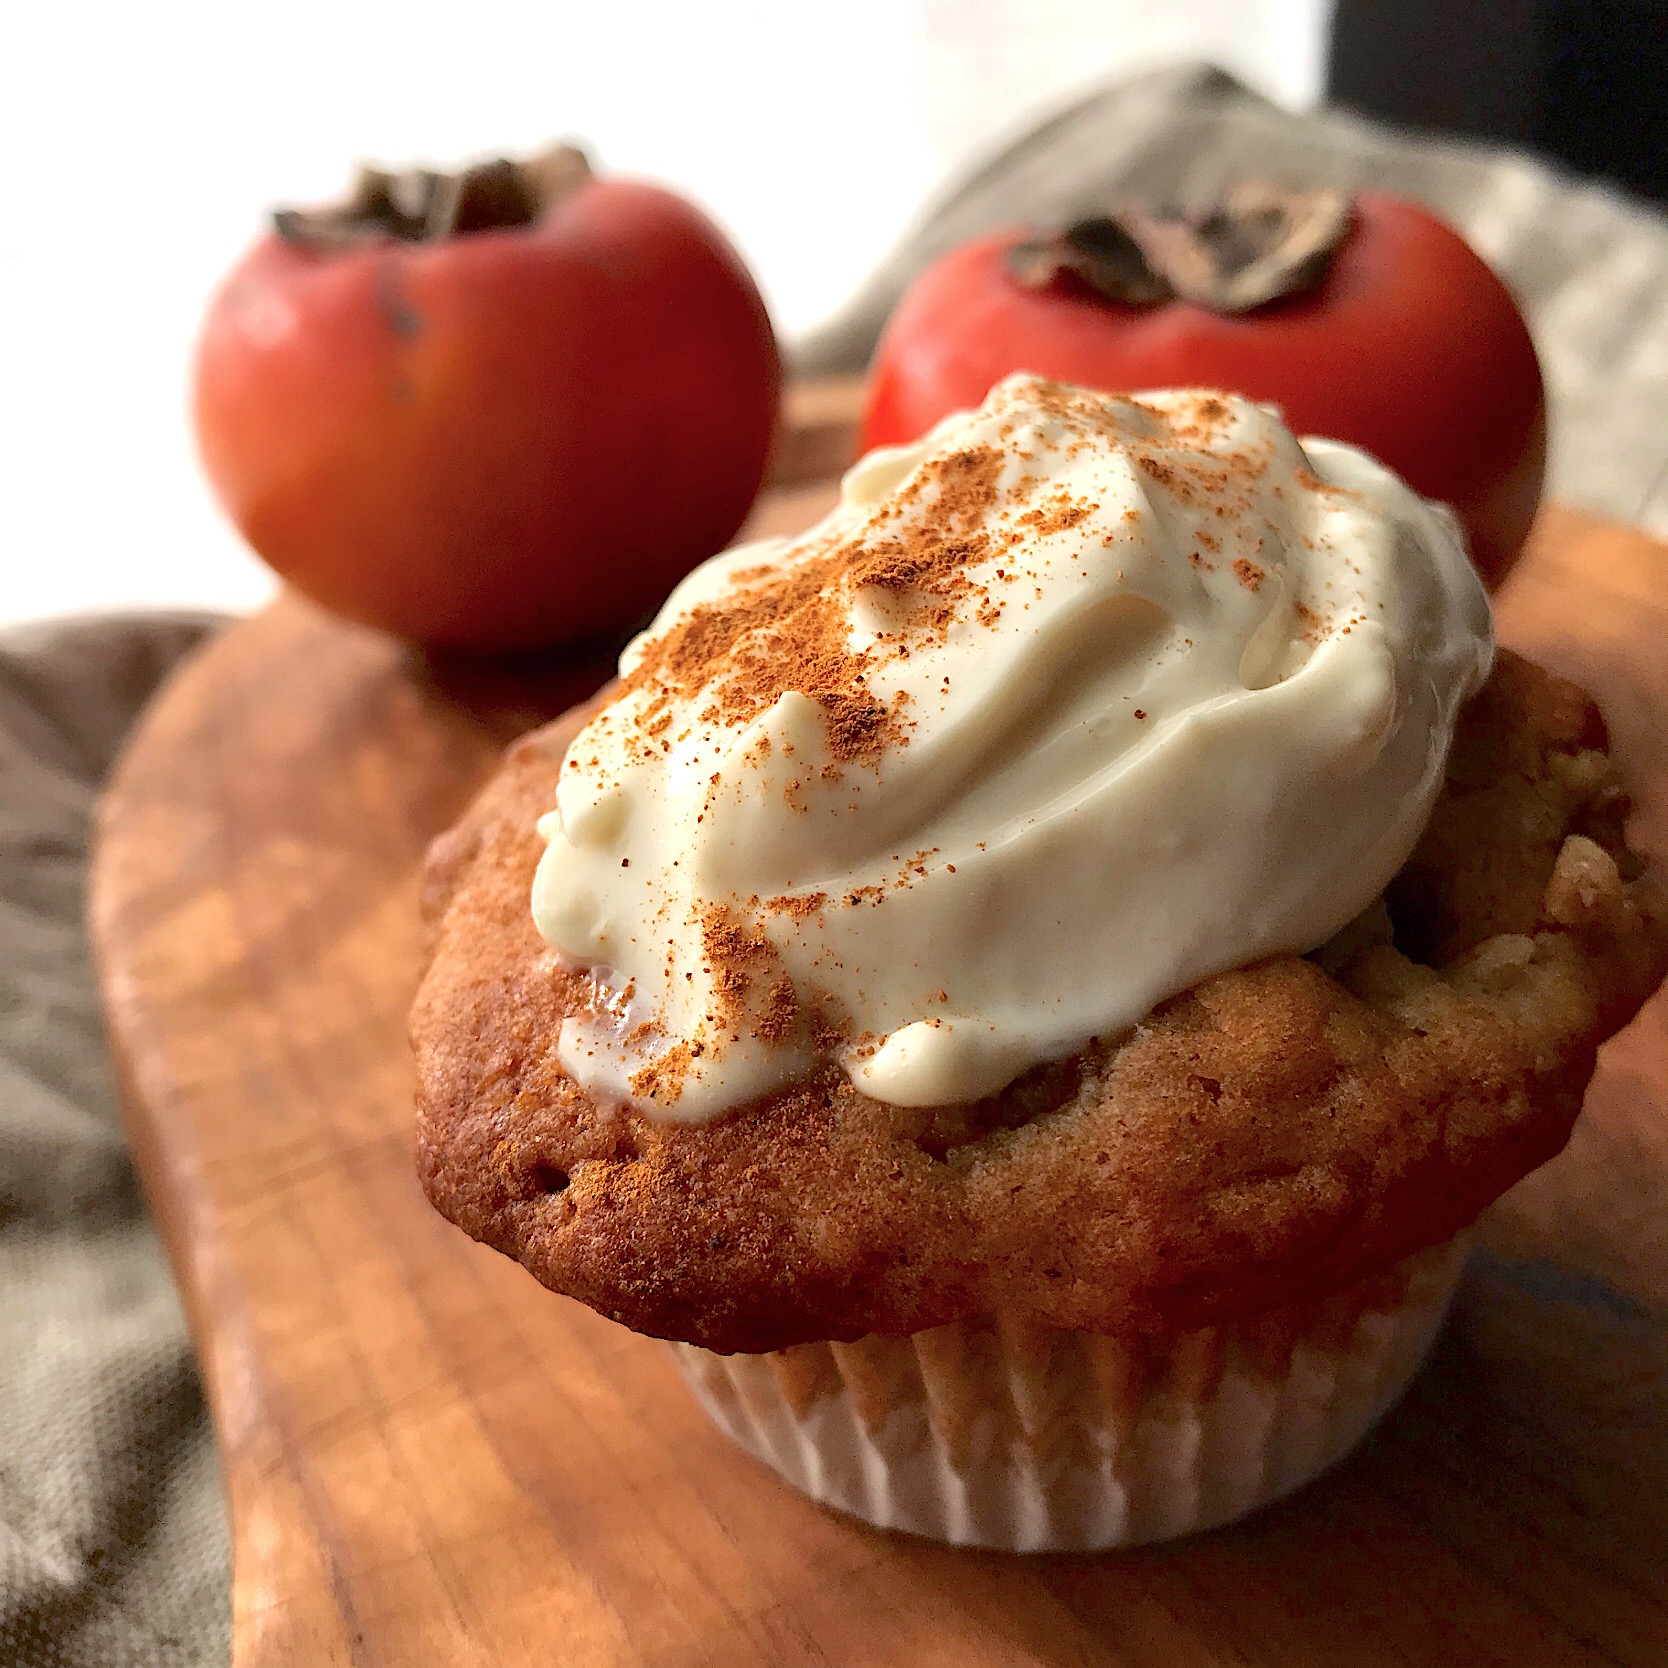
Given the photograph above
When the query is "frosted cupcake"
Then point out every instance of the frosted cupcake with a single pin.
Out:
(1026, 983)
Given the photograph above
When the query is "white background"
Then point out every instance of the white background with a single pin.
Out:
(143, 142)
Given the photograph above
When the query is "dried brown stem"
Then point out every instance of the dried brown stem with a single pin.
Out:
(1255, 244)
(425, 205)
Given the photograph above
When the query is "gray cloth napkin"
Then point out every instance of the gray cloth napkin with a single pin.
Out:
(113, 1546)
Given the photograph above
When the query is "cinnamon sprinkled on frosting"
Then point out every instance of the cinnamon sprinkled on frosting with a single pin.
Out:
(935, 790)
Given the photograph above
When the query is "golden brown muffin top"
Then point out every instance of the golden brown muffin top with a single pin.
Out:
(1272, 1134)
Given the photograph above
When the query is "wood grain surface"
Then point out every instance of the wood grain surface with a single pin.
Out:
(431, 1460)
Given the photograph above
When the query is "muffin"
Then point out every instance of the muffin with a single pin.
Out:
(1026, 985)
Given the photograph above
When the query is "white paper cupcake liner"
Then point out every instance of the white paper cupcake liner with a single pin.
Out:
(1000, 1432)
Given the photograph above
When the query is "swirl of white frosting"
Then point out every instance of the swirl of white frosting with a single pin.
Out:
(1076, 701)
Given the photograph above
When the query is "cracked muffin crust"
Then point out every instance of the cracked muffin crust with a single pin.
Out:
(1273, 1134)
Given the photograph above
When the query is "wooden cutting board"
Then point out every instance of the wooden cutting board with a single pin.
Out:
(431, 1460)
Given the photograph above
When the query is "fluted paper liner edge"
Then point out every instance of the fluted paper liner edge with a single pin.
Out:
(1001, 1432)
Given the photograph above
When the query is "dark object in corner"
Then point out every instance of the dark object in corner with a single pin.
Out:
(1584, 82)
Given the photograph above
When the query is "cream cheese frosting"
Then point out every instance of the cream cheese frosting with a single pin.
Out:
(1070, 704)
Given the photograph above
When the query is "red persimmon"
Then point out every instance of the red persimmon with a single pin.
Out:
(1393, 335)
(496, 410)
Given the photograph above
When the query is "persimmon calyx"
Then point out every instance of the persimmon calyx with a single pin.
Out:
(1254, 244)
(427, 205)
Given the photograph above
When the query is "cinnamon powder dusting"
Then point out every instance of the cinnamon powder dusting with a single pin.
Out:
(933, 555)
(1311, 482)
(783, 629)
(787, 628)
(751, 994)
(736, 955)
(661, 1081)
(798, 907)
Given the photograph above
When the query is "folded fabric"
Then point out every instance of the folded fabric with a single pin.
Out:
(113, 1547)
